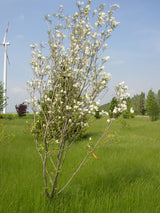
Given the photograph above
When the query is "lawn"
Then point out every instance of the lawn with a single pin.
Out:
(125, 179)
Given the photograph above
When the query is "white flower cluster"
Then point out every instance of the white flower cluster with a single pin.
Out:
(121, 107)
(121, 95)
(103, 113)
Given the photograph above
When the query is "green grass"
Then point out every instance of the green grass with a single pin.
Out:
(125, 179)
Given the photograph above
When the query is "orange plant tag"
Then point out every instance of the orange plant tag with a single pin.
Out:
(94, 155)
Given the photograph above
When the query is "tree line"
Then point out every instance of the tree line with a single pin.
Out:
(142, 104)
(147, 105)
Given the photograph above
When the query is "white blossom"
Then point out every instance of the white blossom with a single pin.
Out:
(115, 6)
(101, 68)
(105, 46)
(105, 59)
(33, 45)
(108, 120)
(131, 110)
(94, 35)
(109, 76)
(68, 107)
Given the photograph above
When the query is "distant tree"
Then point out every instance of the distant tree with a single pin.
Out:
(2, 101)
(104, 107)
(21, 109)
(129, 112)
(113, 104)
(158, 99)
(97, 113)
(136, 103)
(152, 106)
(142, 103)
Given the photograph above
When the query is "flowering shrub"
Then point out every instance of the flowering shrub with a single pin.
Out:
(21, 109)
(121, 104)
(66, 82)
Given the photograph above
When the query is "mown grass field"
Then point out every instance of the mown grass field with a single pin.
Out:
(125, 179)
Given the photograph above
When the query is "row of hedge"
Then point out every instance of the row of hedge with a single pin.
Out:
(11, 116)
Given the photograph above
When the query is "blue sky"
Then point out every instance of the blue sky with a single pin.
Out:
(134, 47)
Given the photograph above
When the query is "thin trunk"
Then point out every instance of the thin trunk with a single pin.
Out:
(57, 170)
(44, 176)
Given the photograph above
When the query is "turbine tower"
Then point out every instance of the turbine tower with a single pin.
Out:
(5, 44)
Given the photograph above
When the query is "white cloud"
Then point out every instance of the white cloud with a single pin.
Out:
(18, 90)
(21, 17)
(20, 36)
(117, 62)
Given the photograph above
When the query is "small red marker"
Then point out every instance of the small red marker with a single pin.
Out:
(94, 155)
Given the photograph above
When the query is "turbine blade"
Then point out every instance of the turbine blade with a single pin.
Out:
(8, 59)
(5, 36)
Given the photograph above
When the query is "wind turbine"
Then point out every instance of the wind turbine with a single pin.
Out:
(5, 44)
